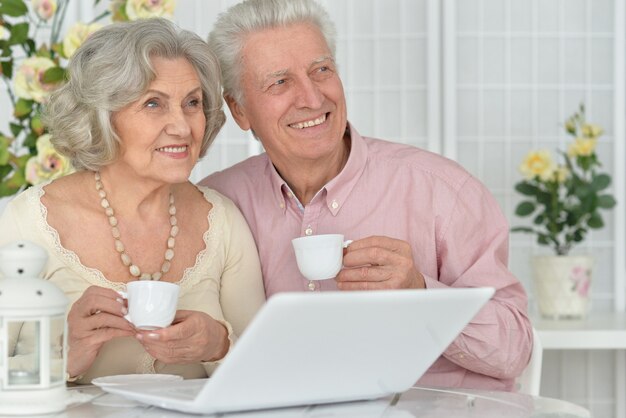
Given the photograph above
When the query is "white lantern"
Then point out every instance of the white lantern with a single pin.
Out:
(32, 334)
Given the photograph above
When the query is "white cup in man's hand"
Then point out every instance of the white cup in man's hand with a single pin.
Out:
(319, 257)
(151, 304)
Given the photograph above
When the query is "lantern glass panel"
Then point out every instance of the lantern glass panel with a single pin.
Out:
(57, 334)
(24, 362)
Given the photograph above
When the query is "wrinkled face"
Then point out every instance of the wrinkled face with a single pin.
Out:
(161, 133)
(293, 97)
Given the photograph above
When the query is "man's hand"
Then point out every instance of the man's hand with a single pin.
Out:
(376, 262)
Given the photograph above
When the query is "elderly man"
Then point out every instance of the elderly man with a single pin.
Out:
(417, 219)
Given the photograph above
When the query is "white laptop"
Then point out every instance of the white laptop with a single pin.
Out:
(315, 348)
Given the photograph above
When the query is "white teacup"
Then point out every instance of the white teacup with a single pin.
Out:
(319, 257)
(151, 304)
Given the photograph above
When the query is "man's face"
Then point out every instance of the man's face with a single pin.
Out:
(293, 98)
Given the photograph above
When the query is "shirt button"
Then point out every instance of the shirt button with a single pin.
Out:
(311, 285)
(282, 205)
(334, 204)
(308, 231)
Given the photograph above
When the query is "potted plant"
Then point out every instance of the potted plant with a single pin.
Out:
(33, 57)
(565, 200)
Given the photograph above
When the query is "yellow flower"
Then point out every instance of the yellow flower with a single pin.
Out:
(590, 130)
(141, 9)
(76, 36)
(538, 163)
(4, 34)
(560, 174)
(45, 9)
(28, 79)
(47, 164)
(582, 147)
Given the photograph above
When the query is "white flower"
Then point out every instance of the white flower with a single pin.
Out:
(45, 9)
(28, 79)
(47, 164)
(76, 36)
(141, 9)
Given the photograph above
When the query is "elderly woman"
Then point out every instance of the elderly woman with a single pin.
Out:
(142, 104)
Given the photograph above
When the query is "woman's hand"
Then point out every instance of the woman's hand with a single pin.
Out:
(95, 318)
(193, 337)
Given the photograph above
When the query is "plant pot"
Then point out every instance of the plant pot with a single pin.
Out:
(562, 285)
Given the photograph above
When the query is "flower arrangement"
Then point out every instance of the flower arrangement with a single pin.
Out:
(566, 198)
(31, 70)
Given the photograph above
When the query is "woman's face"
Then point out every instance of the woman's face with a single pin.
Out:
(161, 133)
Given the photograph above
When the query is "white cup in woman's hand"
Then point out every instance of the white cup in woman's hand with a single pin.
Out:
(319, 257)
(151, 304)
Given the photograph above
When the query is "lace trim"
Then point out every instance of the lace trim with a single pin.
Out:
(146, 363)
(95, 276)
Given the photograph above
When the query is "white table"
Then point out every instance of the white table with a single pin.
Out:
(416, 402)
(600, 331)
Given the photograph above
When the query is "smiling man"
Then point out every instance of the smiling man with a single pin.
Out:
(417, 219)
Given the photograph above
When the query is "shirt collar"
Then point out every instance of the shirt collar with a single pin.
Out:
(339, 188)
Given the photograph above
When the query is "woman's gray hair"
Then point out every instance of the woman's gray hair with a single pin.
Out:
(229, 33)
(112, 69)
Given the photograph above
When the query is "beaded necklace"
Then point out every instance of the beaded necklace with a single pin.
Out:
(134, 270)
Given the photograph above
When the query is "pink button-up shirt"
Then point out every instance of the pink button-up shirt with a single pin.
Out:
(456, 230)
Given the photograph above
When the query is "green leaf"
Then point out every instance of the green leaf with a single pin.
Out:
(16, 128)
(583, 190)
(53, 75)
(600, 182)
(58, 48)
(4, 150)
(23, 108)
(31, 142)
(13, 184)
(30, 46)
(579, 235)
(526, 189)
(7, 68)
(21, 161)
(595, 221)
(19, 34)
(37, 125)
(606, 201)
(544, 198)
(13, 8)
(5, 170)
(522, 229)
(525, 208)
(539, 219)
(4, 46)
(543, 239)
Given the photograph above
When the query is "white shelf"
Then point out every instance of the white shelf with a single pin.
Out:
(600, 331)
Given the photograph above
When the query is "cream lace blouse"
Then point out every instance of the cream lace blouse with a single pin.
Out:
(225, 281)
